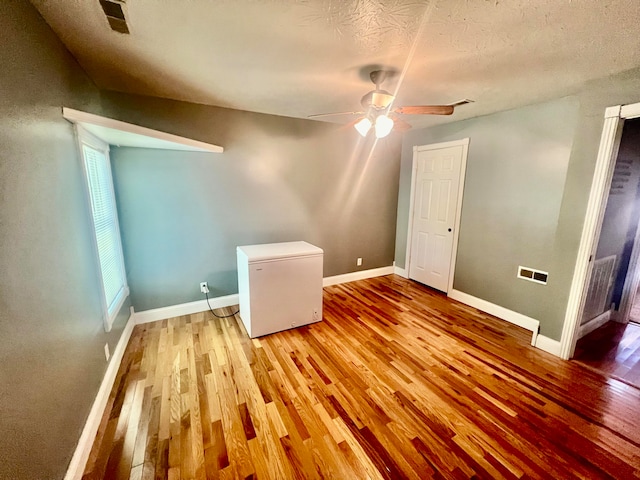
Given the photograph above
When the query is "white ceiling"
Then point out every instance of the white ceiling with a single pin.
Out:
(301, 57)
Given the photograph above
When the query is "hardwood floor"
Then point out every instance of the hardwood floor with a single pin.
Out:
(614, 348)
(396, 382)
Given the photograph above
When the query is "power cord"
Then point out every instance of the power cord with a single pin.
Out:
(214, 313)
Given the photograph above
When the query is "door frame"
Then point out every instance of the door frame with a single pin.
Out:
(631, 281)
(464, 143)
(614, 118)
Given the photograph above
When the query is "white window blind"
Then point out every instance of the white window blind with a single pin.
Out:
(105, 223)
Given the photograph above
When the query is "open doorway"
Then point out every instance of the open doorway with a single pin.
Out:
(606, 340)
(634, 314)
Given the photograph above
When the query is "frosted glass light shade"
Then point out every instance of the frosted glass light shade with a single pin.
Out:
(383, 126)
(362, 126)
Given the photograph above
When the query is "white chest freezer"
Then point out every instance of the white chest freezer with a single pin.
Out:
(280, 286)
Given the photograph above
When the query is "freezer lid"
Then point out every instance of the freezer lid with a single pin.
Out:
(272, 251)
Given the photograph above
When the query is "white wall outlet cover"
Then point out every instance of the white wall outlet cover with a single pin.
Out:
(107, 354)
(359, 261)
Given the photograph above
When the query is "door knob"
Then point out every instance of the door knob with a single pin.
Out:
(449, 229)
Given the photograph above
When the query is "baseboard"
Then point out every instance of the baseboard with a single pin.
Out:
(510, 316)
(548, 345)
(353, 276)
(88, 435)
(594, 323)
(171, 311)
(198, 306)
(401, 271)
(496, 310)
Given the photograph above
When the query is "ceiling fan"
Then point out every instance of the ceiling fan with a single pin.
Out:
(380, 114)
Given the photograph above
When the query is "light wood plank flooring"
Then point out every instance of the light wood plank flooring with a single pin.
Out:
(396, 382)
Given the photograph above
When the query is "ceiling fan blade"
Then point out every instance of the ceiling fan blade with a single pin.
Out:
(464, 101)
(425, 110)
(400, 125)
(317, 115)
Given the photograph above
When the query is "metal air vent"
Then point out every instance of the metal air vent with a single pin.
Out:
(115, 15)
(533, 275)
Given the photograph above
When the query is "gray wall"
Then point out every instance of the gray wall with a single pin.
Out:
(182, 214)
(594, 97)
(515, 177)
(547, 304)
(51, 327)
(279, 179)
(50, 321)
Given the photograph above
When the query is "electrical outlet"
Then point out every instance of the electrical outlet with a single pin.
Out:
(107, 354)
(204, 288)
(359, 261)
(315, 314)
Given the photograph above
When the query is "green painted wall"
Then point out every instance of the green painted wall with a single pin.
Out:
(51, 353)
(280, 179)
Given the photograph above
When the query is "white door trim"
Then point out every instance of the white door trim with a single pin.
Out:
(631, 282)
(464, 143)
(607, 154)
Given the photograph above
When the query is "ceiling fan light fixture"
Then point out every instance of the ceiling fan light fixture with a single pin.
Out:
(377, 104)
(383, 126)
(363, 126)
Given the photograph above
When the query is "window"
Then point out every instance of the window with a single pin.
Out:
(97, 168)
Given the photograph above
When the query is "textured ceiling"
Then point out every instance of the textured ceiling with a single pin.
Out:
(302, 57)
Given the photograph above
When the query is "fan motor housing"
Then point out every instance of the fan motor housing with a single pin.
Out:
(378, 99)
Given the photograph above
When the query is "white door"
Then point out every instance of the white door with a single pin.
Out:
(435, 207)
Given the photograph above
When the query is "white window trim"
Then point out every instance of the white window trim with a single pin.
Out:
(126, 134)
(85, 138)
